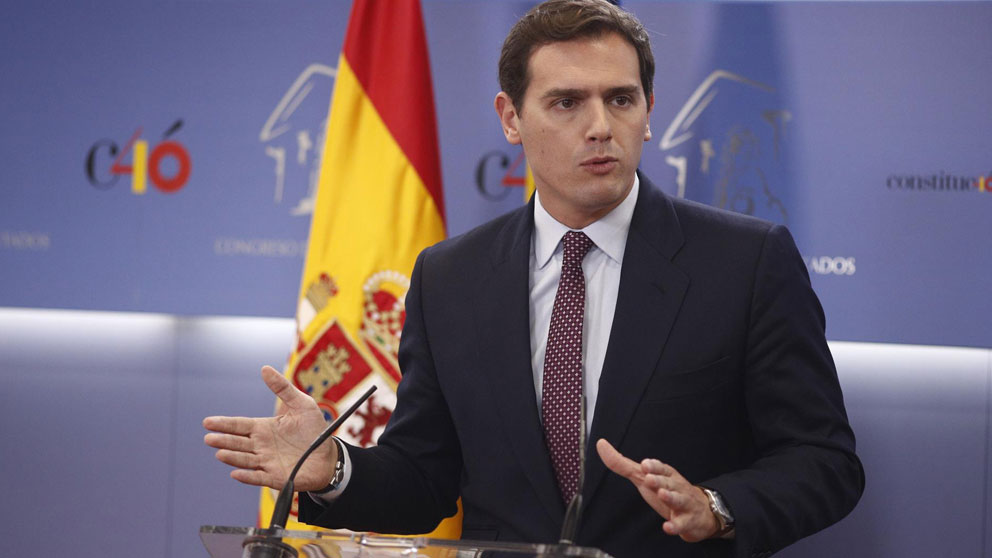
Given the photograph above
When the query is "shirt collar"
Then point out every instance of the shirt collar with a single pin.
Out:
(609, 233)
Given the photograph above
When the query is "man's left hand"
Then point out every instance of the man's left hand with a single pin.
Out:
(685, 507)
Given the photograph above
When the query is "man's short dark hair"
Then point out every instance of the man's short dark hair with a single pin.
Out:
(565, 20)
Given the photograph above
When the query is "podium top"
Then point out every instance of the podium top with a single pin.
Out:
(228, 542)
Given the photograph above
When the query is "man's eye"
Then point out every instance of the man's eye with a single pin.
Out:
(622, 101)
(566, 103)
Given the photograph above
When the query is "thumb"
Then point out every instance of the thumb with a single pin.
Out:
(287, 393)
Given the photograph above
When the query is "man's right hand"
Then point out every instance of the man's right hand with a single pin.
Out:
(265, 450)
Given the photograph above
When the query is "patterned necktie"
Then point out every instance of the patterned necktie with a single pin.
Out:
(562, 384)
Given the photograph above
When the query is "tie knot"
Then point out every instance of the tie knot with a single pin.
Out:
(576, 245)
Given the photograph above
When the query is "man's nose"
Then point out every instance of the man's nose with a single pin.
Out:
(600, 128)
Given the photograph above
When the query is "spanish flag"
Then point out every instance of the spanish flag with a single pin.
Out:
(378, 204)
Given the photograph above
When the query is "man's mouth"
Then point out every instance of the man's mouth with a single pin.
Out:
(600, 165)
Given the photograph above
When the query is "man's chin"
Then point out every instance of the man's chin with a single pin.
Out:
(600, 200)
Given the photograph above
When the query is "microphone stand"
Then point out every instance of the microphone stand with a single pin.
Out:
(269, 545)
(573, 514)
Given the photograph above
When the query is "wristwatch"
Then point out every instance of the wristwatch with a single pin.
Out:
(720, 511)
(338, 472)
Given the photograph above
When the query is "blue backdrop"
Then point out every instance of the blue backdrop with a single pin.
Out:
(863, 126)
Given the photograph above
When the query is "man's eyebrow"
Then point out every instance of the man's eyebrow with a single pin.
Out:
(630, 90)
(564, 92)
(559, 92)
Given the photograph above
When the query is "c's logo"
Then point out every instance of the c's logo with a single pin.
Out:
(514, 174)
(144, 165)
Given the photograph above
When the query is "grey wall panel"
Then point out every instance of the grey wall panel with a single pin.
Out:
(219, 362)
(100, 434)
(100, 429)
(85, 416)
(987, 517)
(921, 418)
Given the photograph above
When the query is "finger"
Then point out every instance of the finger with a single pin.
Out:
(284, 390)
(228, 441)
(679, 525)
(616, 462)
(237, 459)
(673, 482)
(230, 425)
(671, 528)
(655, 467)
(677, 501)
(253, 477)
(657, 481)
(688, 527)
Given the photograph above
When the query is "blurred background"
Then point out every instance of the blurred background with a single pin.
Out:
(137, 299)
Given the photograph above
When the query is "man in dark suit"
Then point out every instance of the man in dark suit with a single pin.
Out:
(693, 334)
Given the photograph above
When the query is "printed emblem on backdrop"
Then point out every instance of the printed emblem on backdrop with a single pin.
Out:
(725, 145)
(166, 164)
(293, 136)
(497, 172)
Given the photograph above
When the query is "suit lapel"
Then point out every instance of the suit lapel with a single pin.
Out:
(650, 295)
(504, 340)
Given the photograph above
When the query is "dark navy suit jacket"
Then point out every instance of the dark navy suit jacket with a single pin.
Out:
(717, 364)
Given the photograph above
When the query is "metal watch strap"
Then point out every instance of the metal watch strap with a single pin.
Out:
(720, 511)
(338, 471)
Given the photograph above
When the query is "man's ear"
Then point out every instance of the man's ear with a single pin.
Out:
(508, 117)
(647, 129)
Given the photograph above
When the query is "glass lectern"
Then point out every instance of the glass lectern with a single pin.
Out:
(235, 542)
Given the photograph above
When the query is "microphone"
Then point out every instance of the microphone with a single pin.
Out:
(574, 511)
(269, 546)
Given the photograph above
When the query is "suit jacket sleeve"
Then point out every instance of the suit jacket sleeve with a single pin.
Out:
(410, 486)
(805, 475)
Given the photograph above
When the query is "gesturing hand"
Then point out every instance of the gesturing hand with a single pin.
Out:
(684, 506)
(264, 450)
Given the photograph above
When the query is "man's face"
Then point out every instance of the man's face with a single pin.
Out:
(583, 124)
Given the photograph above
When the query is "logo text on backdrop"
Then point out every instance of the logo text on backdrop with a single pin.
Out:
(106, 162)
